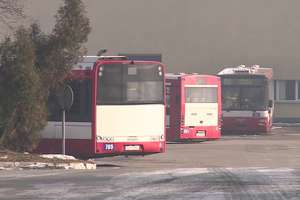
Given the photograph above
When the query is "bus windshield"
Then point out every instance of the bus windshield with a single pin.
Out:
(120, 83)
(244, 93)
(244, 98)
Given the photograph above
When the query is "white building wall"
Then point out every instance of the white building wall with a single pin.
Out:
(194, 35)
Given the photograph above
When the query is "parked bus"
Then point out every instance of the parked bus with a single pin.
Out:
(118, 109)
(193, 107)
(247, 99)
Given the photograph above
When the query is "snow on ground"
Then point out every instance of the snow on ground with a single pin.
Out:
(58, 156)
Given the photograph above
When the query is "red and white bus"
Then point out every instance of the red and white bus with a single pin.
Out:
(247, 99)
(118, 109)
(193, 107)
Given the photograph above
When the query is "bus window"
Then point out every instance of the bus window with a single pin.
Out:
(53, 108)
(81, 108)
(144, 91)
(244, 98)
(139, 84)
(201, 94)
(254, 98)
(230, 98)
(168, 92)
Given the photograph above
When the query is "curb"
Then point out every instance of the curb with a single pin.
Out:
(44, 165)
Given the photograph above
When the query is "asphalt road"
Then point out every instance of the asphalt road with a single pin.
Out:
(235, 167)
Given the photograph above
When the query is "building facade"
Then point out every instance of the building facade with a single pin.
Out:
(199, 36)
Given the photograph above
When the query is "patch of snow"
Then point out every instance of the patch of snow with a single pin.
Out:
(67, 166)
(4, 157)
(174, 172)
(276, 170)
(276, 127)
(36, 165)
(58, 156)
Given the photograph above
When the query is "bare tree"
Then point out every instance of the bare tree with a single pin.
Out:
(10, 12)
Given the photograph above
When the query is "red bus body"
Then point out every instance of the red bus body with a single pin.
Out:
(247, 99)
(193, 107)
(110, 129)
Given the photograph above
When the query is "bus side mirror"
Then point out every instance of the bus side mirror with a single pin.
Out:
(270, 104)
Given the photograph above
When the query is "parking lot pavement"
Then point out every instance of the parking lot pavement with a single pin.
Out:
(235, 167)
(281, 148)
(208, 183)
(183, 183)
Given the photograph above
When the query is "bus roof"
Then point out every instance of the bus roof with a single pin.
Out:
(88, 62)
(180, 75)
(243, 70)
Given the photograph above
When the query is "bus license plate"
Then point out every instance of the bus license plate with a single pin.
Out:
(108, 147)
(132, 148)
(200, 133)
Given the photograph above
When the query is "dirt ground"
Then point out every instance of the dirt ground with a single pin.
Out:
(9, 156)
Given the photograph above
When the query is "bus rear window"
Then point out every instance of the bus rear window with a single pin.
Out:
(144, 91)
(130, 84)
(201, 94)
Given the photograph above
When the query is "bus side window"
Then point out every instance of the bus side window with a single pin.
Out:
(54, 113)
(168, 105)
(168, 93)
(81, 108)
(177, 99)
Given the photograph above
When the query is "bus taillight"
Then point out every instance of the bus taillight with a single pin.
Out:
(185, 131)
